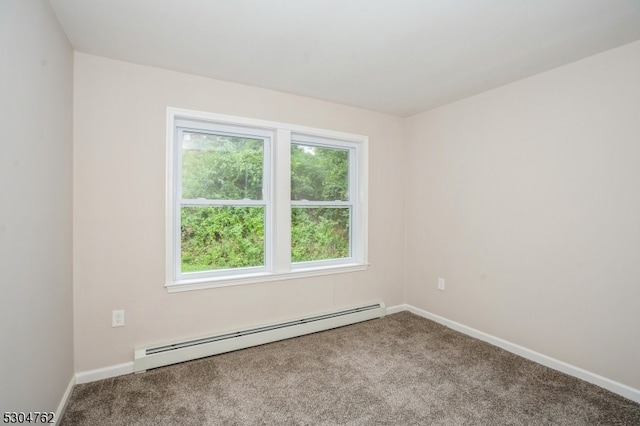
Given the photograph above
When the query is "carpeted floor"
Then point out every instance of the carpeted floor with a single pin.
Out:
(399, 370)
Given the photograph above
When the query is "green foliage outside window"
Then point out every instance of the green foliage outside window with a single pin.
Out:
(218, 167)
(319, 174)
(319, 233)
(221, 167)
(222, 237)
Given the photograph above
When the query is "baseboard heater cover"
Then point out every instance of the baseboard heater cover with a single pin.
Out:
(158, 356)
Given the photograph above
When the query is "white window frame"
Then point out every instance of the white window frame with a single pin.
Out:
(183, 125)
(276, 199)
(352, 195)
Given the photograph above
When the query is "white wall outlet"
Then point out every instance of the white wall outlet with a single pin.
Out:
(117, 318)
(441, 284)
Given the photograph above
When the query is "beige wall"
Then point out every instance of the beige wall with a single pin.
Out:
(36, 335)
(523, 198)
(526, 200)
(119, 221)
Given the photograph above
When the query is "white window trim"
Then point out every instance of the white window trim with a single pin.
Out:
(279, 268)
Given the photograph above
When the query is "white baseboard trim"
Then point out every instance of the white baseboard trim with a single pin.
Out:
(65, 399)
(611, 385)
(104, 373)
(397, 308)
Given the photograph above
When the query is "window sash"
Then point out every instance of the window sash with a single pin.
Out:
(350, 203)
(306, 203)
(193, 126)
(223, 203)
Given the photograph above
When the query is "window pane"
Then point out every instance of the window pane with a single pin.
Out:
(219, 167)
(221, 237)
(318, 173)
(319, 233)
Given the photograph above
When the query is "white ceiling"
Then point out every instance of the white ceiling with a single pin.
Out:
(396, 56)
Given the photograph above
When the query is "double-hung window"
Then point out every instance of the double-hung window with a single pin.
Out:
(322, 200)
(251, 201)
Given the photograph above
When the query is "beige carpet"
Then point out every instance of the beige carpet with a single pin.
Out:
(400, 370)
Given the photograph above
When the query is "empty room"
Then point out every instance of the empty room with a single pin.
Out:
(320, 212)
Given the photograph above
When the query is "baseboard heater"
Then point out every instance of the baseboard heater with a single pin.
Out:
(147, 358)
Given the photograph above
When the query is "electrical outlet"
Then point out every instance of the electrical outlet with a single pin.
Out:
(117, 318)
(441, 284)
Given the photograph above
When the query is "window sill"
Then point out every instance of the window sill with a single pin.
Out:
(205, 283)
